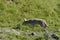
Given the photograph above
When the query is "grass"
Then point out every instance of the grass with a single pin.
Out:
(14, 12)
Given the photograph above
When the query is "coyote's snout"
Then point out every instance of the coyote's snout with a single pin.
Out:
(34, 21)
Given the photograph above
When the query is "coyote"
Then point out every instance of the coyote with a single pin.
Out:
(34, 21)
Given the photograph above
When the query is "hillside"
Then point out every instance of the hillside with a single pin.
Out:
(13, 12)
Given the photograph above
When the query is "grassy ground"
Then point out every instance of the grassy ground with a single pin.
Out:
(14, 12)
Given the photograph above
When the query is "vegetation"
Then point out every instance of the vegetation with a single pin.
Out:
(13, 12)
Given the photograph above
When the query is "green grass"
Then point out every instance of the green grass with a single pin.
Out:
(12, 13)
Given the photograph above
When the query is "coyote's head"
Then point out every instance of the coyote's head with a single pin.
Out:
(25, 21)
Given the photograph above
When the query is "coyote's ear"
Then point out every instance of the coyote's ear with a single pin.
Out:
(25, 19)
